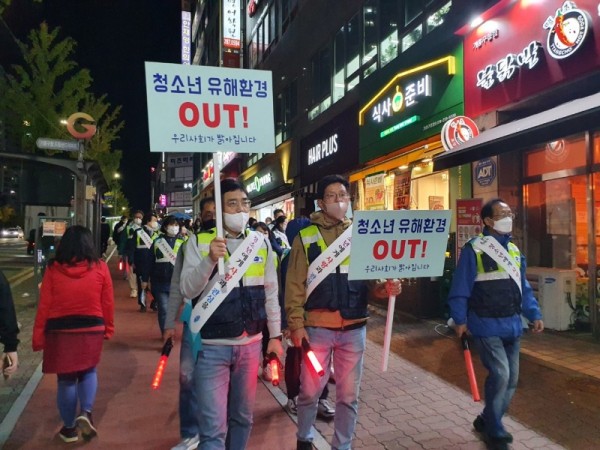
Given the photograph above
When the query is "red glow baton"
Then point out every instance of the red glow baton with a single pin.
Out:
(314, 362)
(274, 363)
(162, 363)
(470, 370)
(121, 264)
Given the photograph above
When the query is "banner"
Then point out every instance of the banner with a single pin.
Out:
(209, 109)
(402, 191)
(398, 244)
(375, 191)
(468, 221)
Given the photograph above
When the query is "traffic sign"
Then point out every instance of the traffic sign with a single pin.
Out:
(58, 144)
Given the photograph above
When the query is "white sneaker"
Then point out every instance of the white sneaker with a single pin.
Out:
(325, 410)
(291, 406)
(133, 293)
(267, 375)
(188, 443)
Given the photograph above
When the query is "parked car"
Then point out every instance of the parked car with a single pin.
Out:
(12, 232)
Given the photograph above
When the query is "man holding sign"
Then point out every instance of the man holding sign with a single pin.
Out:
(230, 311)
(488, 294)
(329, 311)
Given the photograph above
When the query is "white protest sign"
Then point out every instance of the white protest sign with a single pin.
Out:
(209, 109)
(399, 244)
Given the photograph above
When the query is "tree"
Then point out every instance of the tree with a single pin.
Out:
(48, 88)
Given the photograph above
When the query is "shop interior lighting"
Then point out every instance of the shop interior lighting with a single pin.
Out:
(403, 167)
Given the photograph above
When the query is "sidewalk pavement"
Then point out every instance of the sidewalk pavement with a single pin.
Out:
(405, 407)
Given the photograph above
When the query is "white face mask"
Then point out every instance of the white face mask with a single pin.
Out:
(504, 225)
(236, 222)
(154, 225)
(336, 210)
(172, 231)
(137, 221)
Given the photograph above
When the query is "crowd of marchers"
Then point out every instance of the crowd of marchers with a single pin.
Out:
(242, 295)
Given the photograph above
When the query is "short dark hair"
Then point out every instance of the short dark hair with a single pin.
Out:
(330, 179)
(278, 211)
(168, 220)
(76, 245)
(147, 218)
(205, 201)
(488, 209)
(230, 185)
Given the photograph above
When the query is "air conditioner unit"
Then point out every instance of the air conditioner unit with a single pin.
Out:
(555, 290)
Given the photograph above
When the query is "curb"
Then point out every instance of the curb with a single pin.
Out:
(20, 277)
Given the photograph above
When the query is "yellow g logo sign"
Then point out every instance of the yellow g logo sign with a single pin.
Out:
(90, 128)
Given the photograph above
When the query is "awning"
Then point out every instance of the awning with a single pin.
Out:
(569, 118)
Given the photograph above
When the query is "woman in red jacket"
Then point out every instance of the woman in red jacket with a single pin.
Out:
(75, 314)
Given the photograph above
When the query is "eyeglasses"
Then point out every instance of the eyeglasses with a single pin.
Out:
(331, 197)
(503, 216)
(244, 204)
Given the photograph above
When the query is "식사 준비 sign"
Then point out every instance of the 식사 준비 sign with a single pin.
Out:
(209, 109)
(399, 244)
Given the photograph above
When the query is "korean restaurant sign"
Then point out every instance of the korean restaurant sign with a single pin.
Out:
(399, 244)
(529, 47)
(209, 109)
(412, 105)
(231, 24)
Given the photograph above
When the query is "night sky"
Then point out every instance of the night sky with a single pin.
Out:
(114, 39)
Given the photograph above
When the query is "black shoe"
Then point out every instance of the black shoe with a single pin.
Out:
(68, 434)
(142, 308)
(479, 424)
(505, 438)
(303, 445)
(153, 305)
(86, 425)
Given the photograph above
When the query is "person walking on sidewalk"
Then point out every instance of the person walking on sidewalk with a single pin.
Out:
(142, 257)
(129, 251)
(188, 403)
(331, 313)
(489, 293)
(75, 314)
(227, 365)
(164, 251)
(9, 330)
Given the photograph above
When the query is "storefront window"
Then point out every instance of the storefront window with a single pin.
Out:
(429, 191)
(339, 74)
(567, 153)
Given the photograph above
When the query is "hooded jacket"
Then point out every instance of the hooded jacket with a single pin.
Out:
(74, 298)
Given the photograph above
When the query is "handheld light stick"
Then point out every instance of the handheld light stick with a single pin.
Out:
(162, 363)
(470, 370)
(274, 363)
(314, 362)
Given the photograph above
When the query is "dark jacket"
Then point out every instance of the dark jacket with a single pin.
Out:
(9, 329)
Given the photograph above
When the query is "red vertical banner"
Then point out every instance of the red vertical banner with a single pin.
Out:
(468, 221)
(402, 191)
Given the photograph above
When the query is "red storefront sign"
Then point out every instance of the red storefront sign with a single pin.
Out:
(526, 48)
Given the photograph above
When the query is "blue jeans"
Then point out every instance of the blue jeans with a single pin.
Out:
(347, 349)
(226, 372)
(160, 292)
(75, 386)
(188, 405)
(501, 358)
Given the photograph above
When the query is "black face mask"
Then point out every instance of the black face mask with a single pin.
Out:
(208, 224)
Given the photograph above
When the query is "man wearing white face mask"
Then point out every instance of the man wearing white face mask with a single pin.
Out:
(227, 365)
(488, 294)
(329, 311)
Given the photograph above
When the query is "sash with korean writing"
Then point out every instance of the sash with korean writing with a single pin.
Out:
(145, 238)
(221, 285)
(328, 260)
(498, 253)
(166, 249)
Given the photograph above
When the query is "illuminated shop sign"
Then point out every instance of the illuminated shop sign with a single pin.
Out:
(404, 91)
(231, 24)
(488, 37)
(257, 183)
(326, 148)
(568, 29)
(457, 131)
(508, 66)
(186, 32)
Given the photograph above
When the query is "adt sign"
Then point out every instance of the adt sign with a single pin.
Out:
(485, 172)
